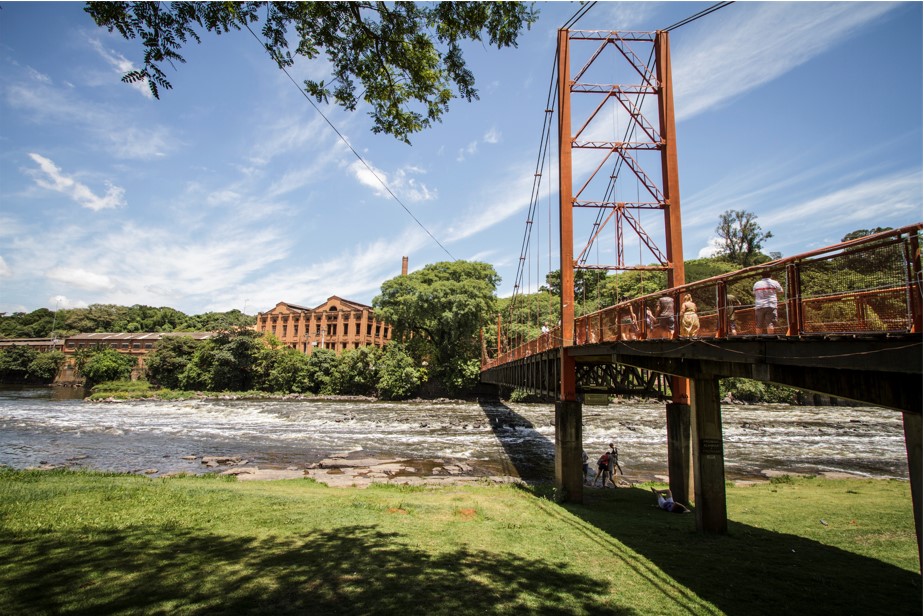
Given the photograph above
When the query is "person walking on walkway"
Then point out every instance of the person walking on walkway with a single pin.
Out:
(765, 303)
(689, 320)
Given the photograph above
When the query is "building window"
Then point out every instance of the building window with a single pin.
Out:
(284, 328)
(378, 330)
(70, 344)
(369, 329)
(386, 331)
(136, 345)
(295, 330)
(149, 345)
(318, 330)
(357, 329)
(124, 345)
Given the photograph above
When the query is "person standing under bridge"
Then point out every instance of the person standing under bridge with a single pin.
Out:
(765, 303)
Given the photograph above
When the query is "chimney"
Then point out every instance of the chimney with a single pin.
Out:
(404, 266)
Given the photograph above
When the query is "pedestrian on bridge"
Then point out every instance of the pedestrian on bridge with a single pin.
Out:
(765, 303)
(689, 320)
(666, 316)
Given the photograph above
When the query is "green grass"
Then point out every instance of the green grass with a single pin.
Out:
(90, 543)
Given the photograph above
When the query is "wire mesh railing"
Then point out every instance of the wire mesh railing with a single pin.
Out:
(870, 285)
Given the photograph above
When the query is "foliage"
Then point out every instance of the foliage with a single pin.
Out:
(741, 238)
(398, 378)
(357, 371)
(281, 369)
(406, 57)
(169, 358)
(113, 318)
(45, 366)
(224, 362)
(440, 310)
(321, 365)
(749, 390)
(15, 361)
(106, 365)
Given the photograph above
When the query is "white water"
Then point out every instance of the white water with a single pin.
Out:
(494, 438)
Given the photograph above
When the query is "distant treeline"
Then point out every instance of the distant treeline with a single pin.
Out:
(112, 318)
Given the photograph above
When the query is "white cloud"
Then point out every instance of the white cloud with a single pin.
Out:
(895, 194)
(108, 127)
(81, 278)
(402, 182)
(122, 65)
(750, 48)
(711, 249)
(58, 302)
(467, 151)
(5, 271)
(626, 15)
(505, 203)
(492, 136)
(57, 181)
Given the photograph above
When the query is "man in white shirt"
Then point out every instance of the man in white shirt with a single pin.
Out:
(765, 302)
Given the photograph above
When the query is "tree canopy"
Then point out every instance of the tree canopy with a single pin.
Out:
(406, 56)
(741, 238)
(440, 309)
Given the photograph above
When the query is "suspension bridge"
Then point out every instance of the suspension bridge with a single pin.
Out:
(843, 321)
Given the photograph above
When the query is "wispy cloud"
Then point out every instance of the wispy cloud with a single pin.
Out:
(54, 179)
(5, 271)
(747, 49)
(501, 205)
(80, 278)
(122, 65)
(108, 127)
(402, 182)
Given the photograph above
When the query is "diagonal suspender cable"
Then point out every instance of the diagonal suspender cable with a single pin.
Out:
(355, 153)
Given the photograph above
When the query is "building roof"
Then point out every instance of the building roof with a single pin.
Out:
(101, 337)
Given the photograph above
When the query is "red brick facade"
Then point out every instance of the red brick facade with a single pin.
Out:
(337, 324)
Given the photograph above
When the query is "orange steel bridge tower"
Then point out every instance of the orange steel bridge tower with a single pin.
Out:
(597, 170)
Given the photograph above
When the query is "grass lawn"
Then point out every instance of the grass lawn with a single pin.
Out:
(90, 543)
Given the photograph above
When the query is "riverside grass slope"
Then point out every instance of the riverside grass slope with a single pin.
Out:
(91, 543)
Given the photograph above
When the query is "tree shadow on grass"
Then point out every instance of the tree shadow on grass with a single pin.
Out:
(750, 570)
(531, 455)
(350, 570)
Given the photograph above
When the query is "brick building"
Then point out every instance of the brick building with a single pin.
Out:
(337, 324)
(136, 344)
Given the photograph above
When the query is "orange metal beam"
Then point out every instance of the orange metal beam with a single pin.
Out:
(568, 387)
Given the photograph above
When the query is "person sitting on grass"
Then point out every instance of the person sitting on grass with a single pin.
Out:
(667, 503)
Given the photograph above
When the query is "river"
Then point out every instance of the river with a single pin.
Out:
(51, 426)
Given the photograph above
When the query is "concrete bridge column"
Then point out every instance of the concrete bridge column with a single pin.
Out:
(569, 471)
(679, 452)
(912, 423)
(708, 456)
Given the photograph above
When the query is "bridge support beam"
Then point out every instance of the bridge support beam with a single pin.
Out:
(912, 423)
(569, 470)
(708, 456)
(679, 452)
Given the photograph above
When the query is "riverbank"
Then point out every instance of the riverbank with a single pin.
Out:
(213, 544)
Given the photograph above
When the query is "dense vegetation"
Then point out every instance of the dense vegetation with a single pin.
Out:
(112, 318)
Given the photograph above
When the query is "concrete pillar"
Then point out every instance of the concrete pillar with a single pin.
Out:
(708, 456)
(569, 471)
(912, 423)
(679, 452)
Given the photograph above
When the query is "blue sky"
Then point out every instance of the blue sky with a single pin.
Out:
(232, 192)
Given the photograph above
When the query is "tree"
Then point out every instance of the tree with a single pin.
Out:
(45, 366)
(166, 362)
(107, 365)
(406, 56)
(440, 309)
(398, 379)
(281, 369)
(15, 361)
(741, 238)
(224, 362)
